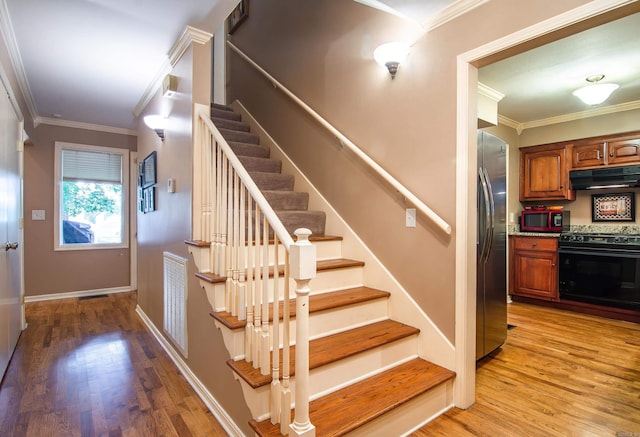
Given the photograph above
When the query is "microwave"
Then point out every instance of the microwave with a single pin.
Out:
(532, 220)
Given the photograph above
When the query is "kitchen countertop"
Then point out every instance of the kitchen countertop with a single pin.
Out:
(514, 229)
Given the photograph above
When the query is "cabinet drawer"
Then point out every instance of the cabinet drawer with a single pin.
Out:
(543, 244)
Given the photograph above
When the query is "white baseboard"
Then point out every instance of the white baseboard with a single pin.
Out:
(216, 409)
(74, 294)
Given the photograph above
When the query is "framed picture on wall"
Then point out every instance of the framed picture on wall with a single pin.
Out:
(616, 207)
(149, 168)
(149, 200)
(237, 16)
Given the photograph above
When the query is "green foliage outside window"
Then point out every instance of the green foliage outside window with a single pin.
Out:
(90, 199)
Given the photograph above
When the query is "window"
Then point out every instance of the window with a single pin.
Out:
(91, 197)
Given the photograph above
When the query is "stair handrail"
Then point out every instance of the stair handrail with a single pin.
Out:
(278, 228)
(419, 204)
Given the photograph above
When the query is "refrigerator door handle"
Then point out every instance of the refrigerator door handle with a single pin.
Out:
(492, 214)
(486, 232)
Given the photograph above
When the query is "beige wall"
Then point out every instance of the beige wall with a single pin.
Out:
(47, 271)
(169, 226)
(324, 55)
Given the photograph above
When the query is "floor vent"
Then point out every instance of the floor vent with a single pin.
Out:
(175, 300)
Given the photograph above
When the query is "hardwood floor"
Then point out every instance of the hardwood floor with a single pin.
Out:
(89, 368)
(559, 374)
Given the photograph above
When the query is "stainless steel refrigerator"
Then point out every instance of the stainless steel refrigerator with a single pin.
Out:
(491, 312)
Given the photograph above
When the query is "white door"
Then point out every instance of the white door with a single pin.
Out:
(10, 214)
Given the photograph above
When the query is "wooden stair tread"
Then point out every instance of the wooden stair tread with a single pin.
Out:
(321, 265)
(326, 350)
(312, 238)
(197, 243)
(345, 410)
(317, 302)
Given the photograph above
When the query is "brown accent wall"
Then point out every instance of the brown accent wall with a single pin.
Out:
(169, 226)
(324, 54)
(47, 271)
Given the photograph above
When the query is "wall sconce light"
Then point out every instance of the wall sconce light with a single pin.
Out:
(596, 93)
(390, 55)
(169, 86)
(158, 123)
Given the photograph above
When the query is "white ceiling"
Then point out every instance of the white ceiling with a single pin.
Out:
(538, 84)
(91, 61)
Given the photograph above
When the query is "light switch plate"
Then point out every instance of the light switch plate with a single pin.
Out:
(37, 214)
(411, 218)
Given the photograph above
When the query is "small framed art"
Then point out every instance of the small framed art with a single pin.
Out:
(237, 16)
(615, 207)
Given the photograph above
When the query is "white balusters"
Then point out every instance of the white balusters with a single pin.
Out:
(237, 220)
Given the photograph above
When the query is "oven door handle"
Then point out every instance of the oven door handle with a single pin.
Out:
(598, 252)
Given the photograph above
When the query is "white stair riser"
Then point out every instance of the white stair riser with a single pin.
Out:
(347, 278)
(332, 377)
(321, 323)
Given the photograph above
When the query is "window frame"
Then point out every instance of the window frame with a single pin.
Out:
(57, 196)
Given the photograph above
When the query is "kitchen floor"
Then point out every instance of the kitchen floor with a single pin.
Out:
(558, 374)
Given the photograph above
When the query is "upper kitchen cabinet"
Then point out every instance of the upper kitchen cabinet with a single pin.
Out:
(624, 151)
(613, 150)
(589, 155)
(544, 173)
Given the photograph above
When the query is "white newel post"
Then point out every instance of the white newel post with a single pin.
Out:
(303, 269)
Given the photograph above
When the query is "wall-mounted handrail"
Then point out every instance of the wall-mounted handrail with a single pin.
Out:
(419, 204)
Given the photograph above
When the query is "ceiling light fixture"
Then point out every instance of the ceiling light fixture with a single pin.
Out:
(158, 123)
(390, 55)
(596, 93)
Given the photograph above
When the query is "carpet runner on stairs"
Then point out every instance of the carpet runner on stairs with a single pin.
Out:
(290, 206)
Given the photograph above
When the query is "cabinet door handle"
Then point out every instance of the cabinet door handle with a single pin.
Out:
(553, 265)
(534, 244)
(611, 154)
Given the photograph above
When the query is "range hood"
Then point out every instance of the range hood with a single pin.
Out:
(611, 177)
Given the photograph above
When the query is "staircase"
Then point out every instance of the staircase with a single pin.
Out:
(366, 377)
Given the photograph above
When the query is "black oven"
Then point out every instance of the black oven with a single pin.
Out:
(600, 269)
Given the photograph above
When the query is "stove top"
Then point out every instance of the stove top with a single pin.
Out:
(574, 238)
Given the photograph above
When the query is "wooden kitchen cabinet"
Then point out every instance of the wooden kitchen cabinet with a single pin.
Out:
(589, 155)
(607, 152)
(544, 173)
(533, 267)
(623, 152)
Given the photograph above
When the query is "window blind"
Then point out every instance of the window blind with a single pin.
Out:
(80, 165)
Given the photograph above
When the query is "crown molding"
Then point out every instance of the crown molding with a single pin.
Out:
(83, 125)
(511, 123)
(452, 12)
(6, 28)
(489, 92)
(189, 36)
(596, 112)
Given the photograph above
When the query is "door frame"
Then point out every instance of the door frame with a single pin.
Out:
(466, 154)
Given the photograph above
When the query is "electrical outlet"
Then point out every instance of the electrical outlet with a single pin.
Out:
(411, 218)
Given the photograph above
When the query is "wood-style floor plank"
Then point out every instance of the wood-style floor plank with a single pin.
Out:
(89, 368)
(558, 374)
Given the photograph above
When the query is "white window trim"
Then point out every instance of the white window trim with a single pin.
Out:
(58, 185)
